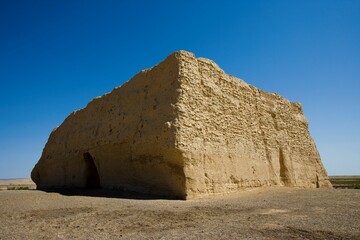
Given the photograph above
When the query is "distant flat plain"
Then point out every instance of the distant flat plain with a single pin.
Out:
(263, 213)
(16, 183)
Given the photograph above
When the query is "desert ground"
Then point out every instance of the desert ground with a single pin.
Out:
(272, 213)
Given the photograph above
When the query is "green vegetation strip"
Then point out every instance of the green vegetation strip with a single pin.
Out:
(346, 182)
(18, 188)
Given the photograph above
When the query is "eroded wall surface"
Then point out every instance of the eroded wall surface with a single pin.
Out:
(234, 135)
(183, 128)
(129, 134)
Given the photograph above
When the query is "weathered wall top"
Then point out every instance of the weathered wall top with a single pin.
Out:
(183, 128)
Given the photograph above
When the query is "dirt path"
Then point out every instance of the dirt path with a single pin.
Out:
(259, 214)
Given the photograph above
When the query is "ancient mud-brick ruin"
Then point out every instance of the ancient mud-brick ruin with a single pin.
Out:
(185, 129)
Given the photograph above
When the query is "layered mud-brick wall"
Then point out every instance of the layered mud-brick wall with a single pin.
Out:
(185, 129)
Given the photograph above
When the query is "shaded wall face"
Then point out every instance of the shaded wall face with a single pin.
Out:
(129, 133)
(235, 135)
(153, 172)
(60, 173)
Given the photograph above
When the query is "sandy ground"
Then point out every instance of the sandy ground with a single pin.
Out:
(257, 214)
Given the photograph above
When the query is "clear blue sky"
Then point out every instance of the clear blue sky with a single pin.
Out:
(55, 56)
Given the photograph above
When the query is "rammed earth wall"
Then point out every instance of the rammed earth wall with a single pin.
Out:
(186, 129)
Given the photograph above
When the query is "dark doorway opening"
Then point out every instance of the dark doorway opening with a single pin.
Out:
(92, 179)
(284, 172)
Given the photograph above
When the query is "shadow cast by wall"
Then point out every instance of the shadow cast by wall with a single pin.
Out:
(107, 193)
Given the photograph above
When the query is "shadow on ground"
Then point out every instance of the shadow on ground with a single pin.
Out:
(107, 193)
